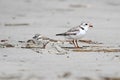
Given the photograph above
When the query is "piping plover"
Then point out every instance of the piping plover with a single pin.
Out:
(39, 38)
(75, 33)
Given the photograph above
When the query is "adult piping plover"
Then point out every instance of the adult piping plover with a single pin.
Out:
(76, 33)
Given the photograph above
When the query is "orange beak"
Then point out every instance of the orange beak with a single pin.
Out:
(90, 25)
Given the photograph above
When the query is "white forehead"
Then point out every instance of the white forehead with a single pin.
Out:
(85, 23)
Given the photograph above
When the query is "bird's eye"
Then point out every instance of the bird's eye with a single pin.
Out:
(86, 24)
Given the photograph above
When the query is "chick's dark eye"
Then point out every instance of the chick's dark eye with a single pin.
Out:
(86, 24)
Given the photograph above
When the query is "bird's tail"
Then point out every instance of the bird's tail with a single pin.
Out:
(61, 34)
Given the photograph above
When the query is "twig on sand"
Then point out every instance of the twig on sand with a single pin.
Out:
(96, 50)
(16, 24)
(84, 41)
(90, 42)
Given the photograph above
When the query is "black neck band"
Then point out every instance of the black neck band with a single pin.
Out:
(82, 28)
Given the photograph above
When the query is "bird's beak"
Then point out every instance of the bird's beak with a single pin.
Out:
(90, 25)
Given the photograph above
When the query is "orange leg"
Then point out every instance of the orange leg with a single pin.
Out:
(75, 43)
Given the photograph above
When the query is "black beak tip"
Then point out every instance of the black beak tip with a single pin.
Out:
(91, 26)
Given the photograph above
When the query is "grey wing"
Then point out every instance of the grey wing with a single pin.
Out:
(66, 34)
(73, 30)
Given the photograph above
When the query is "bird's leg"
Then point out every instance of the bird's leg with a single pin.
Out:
(73, 41)
(76, 44)
(44, 45)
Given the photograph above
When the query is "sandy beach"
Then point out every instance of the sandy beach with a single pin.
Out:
(20, 20)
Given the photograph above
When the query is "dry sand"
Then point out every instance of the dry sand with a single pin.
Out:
(21, 19)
